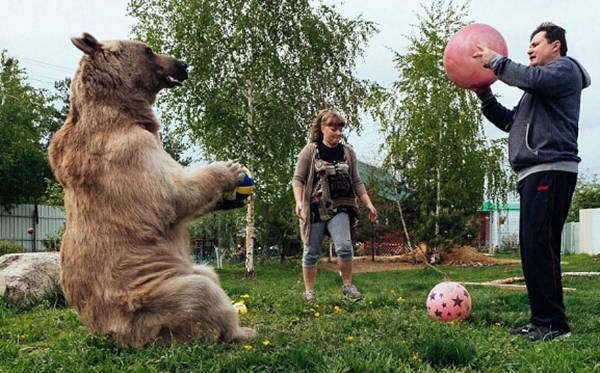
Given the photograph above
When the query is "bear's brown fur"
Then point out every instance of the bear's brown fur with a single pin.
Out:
(126, 266)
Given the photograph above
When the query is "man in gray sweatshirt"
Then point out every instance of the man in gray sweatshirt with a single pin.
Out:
(542, 148)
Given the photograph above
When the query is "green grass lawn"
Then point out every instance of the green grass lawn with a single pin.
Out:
(383, 333)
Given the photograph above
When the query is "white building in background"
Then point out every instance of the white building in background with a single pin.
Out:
(500, 229)
(589, 231)
(500, 226)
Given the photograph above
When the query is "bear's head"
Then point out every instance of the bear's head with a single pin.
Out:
(123, 68)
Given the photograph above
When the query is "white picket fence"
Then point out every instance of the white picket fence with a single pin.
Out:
(16, 223)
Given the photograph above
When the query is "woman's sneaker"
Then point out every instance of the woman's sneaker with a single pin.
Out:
(351, 292)
(310, 296)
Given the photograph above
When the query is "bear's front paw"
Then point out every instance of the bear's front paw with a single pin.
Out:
(233, 175)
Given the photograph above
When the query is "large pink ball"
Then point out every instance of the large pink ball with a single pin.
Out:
(459, 64)
(449, 301)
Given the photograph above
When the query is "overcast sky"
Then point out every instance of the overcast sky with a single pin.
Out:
(37, 32)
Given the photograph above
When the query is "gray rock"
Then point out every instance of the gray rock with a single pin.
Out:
(26, 278)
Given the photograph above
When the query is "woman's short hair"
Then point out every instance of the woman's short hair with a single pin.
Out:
(326, 117)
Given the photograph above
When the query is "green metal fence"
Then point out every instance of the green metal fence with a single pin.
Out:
(30, 226)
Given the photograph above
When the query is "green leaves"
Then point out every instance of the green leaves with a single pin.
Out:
(586, 196)
(259, 73)
(434, 133)
(26, 118)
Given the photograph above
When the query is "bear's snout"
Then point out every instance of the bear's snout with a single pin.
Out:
(182, 72)
(182, 65)
(177, 73)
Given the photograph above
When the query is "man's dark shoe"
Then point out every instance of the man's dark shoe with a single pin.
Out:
(522, 330)
(545, 333)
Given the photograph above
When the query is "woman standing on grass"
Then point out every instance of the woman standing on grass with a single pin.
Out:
(326, 184)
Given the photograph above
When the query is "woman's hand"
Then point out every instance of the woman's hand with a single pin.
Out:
(299, 211)
(369, 205)
(298, 192)
(372, 214)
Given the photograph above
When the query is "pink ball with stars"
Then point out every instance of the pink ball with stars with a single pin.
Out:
(449, 301)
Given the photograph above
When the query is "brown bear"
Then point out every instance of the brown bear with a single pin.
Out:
(126, 265)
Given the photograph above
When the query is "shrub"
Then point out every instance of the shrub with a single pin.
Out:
(53, 241)
(10, 246)
(509, 243)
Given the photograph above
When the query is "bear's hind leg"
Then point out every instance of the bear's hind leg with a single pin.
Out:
(183, 308)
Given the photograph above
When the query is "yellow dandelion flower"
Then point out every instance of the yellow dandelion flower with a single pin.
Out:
(400, 299)
(266, 342)
(337, 309)
(317, 314)
(350, 338)
(370, 302)
(245, 296)
(417, 359)
(452, 323)
(248, 347)
(240, 308)
(497, 324)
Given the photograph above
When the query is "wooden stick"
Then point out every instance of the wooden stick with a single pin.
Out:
(510, 280)
(507, 283)
(505, 286)
(581, 274)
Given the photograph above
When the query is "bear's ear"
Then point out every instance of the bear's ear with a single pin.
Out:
(87, 43)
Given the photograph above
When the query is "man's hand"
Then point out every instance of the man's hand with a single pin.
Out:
(484, 54)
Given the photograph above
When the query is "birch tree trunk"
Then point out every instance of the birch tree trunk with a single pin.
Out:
(250, 212)
(250, 239)
(437, 203)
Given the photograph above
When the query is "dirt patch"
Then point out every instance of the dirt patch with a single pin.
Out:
(360, 266)
(464, 256)
(468, 256)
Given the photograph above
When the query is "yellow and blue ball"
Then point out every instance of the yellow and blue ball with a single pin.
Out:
(243, 191)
